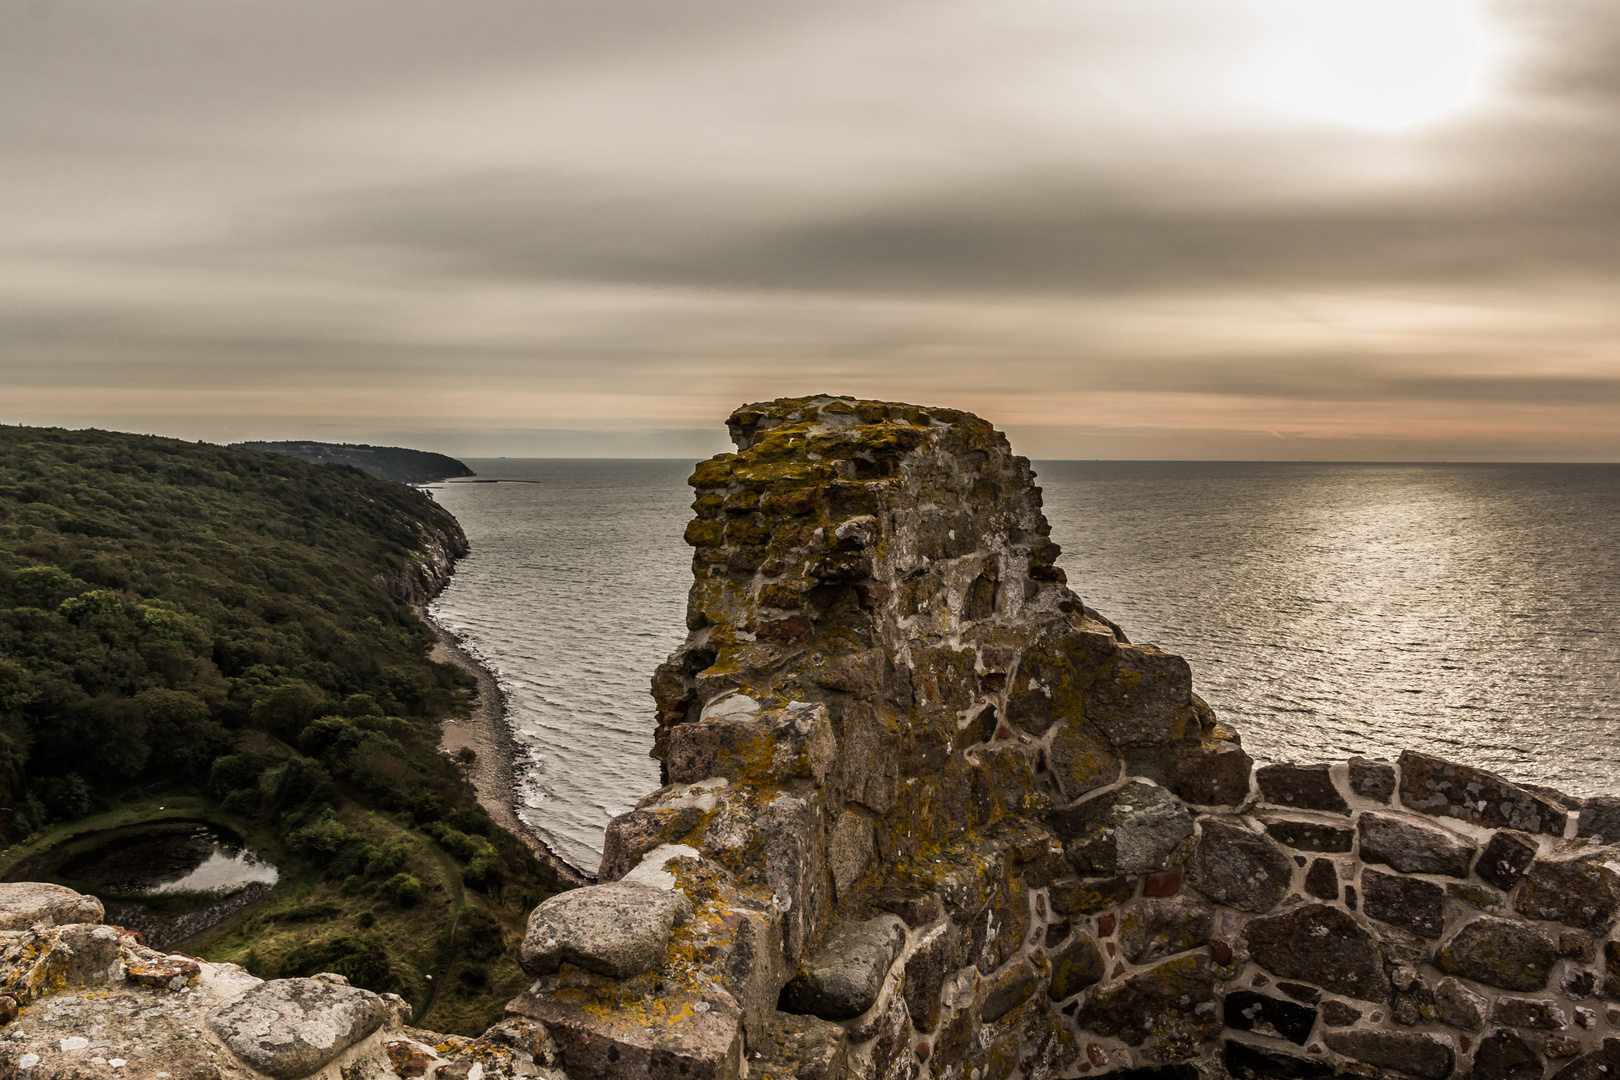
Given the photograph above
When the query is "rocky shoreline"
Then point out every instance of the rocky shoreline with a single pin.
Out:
(491, 772)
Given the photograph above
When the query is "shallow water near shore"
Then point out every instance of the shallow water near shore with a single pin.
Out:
(1471, 611)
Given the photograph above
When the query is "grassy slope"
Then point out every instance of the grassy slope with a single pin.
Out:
(175, 620)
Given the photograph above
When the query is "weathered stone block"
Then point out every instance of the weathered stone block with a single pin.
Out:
(1412, 845)
(1373, 780)
(618, 929)
(25, 903)
(1006, 990)
(1506, 857)
(1322, 880)
(1445, 789)
(772, 746)
(1076, 966)
(1137, 829)
(1174, 999)
(636, 832)
(1310, 835)
(1530, 1013)
(1249, 1011)
(1321, 945)
(1302, 787)
(674, 1036)
(841, 977)
(1598, 1065)
(1233, 865)
(800, 1048)
(1136, 695)
(291, 1027)
(1507, 1055)
(1420, 1055)
(1410, 903)
(932, 958)
(1164, 927)
(1580, 888)
(1214, 773)
(1459, 1007)
(1072, 896)
(1080, 759)
(1600, 819)
(1247, 1062)
(1501, 953)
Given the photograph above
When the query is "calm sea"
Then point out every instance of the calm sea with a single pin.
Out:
(1472, 611)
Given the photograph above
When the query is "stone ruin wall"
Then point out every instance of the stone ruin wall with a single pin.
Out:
(927, 814)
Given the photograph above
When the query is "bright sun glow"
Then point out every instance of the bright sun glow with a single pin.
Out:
(1381, 64)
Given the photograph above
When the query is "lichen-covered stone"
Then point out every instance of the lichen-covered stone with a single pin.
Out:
(1459, 1007)
(800, 1048)
(1374, 780)
(841, 976)
(1446, 789)
(773, 745)
(1530, 1013)
(1410, 903)
(1580, 888)
(931, 959)
(1071, 896)
(1507, 1055)
(1500, 953)
(671, 1036)
(618, 929)
(1321, 945)
(1080, 759)
(25, 903)
(1006, 990)
(291, 1027)
(1310, 835)
(1138, 829)
(1412, 845)
(1233, 865)
(1076, 966)
(1164, 927)
(1421, 1055)
(1263, 1015)
(1506, 857)
(1174, 999)
(1302, 787)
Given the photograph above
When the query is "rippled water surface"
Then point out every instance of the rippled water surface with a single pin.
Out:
(1327, 610)
(575, 590)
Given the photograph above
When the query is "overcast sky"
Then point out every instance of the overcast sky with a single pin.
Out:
(1318, 229)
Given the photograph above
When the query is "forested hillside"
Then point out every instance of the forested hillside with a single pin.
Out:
(388, 462)
(238, 628)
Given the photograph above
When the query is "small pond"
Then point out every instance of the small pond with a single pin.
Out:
(170, 880)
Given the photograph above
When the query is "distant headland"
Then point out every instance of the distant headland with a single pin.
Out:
(394, 463)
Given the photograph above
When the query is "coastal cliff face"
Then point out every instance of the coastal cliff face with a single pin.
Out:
(926, 814)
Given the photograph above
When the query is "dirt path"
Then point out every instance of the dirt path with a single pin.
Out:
(484, 729)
